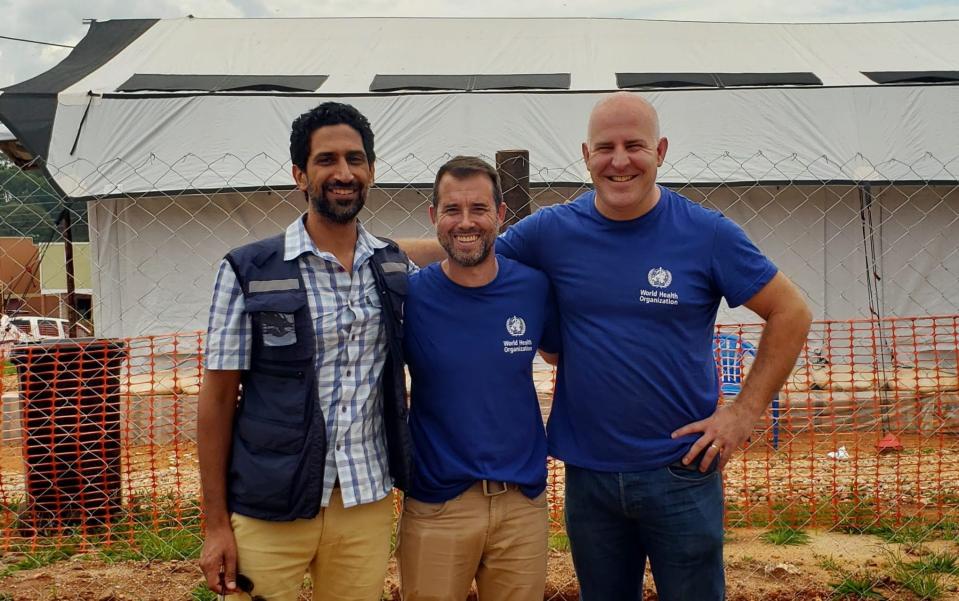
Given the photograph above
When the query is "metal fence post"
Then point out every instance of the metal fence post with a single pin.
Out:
(513, 168)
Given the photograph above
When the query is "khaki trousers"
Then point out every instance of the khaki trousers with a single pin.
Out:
(498, 540)
(345, 551)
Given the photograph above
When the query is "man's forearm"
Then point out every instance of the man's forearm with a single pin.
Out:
(217, 404)
(779, 346)
(422, 251)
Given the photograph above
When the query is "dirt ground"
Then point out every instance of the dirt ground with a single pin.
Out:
(923, 479)
(799, 473)
(755, 570)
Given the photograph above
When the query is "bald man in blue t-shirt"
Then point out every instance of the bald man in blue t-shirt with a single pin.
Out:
(639, 272)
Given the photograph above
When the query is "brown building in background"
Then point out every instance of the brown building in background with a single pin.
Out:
(27, 271)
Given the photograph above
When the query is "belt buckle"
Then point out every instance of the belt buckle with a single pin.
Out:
(495, 484)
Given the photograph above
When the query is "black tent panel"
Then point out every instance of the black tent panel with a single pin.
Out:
(103, 41)
(666, 80)
(715, 80)
(29, 108)
(887, 77)
(29, 117)
(467, 83)
(532, 81)
(395, 83)
(768, 79)
(142, 82)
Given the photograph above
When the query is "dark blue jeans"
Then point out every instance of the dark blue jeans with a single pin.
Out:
(670, 515)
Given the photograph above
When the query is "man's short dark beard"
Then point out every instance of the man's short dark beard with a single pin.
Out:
(329, 211)
(470, 262)
(448, 244)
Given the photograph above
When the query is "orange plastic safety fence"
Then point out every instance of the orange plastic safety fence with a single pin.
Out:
(99, 441)
(864, 432)
(99, 438)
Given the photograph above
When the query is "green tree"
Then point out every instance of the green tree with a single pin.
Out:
(30, 206)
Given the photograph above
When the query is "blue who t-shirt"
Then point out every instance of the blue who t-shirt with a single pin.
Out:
(637, 302)
(474, 414)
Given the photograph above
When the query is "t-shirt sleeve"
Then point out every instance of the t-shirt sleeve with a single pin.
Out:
(229, 340)
(521, 242)
(551, 341)
(739, 268)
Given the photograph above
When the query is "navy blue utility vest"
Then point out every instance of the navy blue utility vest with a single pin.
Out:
(279, 433)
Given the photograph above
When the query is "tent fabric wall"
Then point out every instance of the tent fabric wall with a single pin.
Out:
(156, 258)
(815, 235)
(132, 146)
(105, 142)
(176, 177)
(354, 50)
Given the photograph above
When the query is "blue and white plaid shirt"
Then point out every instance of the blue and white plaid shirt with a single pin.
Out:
(350, 355)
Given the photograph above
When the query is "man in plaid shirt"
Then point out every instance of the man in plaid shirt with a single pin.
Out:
(297, 476)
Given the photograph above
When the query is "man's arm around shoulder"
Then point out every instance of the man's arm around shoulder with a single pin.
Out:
(216, 406)
(422, 251)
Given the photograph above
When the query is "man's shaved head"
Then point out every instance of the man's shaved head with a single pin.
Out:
(624, 101)
(623, 150)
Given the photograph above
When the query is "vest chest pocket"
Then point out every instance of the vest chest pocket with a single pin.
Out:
(281, 322)
(277, 329)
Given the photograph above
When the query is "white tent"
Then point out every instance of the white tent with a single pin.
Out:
(176, 131)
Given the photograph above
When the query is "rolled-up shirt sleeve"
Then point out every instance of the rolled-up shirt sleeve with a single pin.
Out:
(228, 334)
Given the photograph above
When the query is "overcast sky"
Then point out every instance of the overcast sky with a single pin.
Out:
(61, 21)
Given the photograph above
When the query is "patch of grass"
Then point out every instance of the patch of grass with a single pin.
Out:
(164, 530)
(14, 506)
(855, 517)
(156, 530)
(861, 585)
(38, 559)
(792, 513)
(6, 597)
(938, 563)
(8, 369)
(179, 544)
(829, 564)
(173, 545)
(201, 592)
(927, 587)
(559, 541)
(784, 534)
(916, 576)
(913, 532)
(947, 530)
(902, 534)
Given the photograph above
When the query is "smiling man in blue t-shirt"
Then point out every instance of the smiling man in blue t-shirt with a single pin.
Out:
(638, 283)
(477, 505)
(639, 272)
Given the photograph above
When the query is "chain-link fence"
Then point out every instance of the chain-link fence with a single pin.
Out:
(99, 451)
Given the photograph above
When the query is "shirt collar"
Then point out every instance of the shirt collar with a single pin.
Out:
(297, 242)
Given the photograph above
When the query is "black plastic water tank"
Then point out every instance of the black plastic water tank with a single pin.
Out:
(70, 415)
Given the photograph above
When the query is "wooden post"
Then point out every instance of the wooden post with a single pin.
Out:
(513, 168)
(67, 232)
